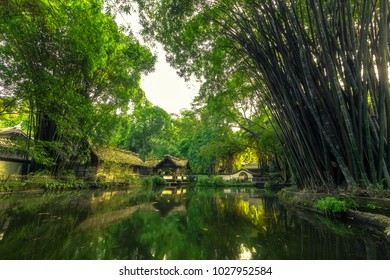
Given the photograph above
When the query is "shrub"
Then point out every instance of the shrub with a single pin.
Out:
(128, 178)
(147, 182)
(213, 181)
(3, 176)
(154, 181)
(239, 184)
(217, 181)
(158, 181)
(331, 205)
(12, 186)
(68, 176)
(203, 181)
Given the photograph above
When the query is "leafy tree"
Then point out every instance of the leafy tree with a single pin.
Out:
(71, 64)
(237, 103)
(186, 124)
(213, 146)
(151, 132)
(12, 112)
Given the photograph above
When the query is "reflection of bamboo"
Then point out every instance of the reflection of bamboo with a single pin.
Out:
(4, 228)
(107, 219)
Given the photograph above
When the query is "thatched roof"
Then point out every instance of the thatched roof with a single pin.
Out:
(119, 156)
(152, 162)
(170, 161)
(178, 161)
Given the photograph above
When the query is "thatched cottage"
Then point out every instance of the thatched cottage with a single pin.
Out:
(112, 164)
(170, 168)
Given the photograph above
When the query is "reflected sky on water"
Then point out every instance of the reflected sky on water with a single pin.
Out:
(175, 224)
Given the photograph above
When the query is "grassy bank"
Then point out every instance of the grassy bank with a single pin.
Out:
(373, 211)
(49, 183)
(218, 182)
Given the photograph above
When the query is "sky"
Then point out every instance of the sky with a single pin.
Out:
(166, 89)
(163, 87)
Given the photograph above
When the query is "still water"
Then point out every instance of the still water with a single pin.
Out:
(191, 224)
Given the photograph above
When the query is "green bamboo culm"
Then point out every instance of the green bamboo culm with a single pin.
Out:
(325, 65)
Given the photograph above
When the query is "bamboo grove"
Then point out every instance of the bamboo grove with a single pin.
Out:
(324, 65)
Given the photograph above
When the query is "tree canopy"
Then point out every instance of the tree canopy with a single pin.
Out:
(72, 66)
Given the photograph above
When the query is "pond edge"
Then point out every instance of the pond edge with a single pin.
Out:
(306, 200)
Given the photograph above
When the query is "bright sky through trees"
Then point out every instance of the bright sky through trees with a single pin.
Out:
(163, 87)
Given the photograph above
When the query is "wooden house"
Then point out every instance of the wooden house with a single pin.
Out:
(170, 168)
(14, 159)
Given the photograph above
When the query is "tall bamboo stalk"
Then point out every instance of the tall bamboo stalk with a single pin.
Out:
(318, 61)
(383, 93)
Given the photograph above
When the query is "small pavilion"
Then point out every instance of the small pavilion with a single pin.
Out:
(170, 168)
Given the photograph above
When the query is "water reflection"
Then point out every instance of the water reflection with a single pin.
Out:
(176, 223)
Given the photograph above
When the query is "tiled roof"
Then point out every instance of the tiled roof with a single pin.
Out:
(12, 132)
(11, 150)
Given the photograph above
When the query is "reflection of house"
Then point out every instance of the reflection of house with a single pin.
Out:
(112, 164)
(13, 160)
(172, 169)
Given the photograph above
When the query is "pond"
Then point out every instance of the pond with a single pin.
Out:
(184, 224)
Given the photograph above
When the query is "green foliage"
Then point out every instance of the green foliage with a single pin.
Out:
(372, 206)
(331, 205)
(66, 181)
(13, 186)
(147, 182)
(13, 112)
(210, 181)
(158, 181)
(76, 72)
(150, 133)
(154, 181)
(128, 179)
(217, 182)
(239, 184)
